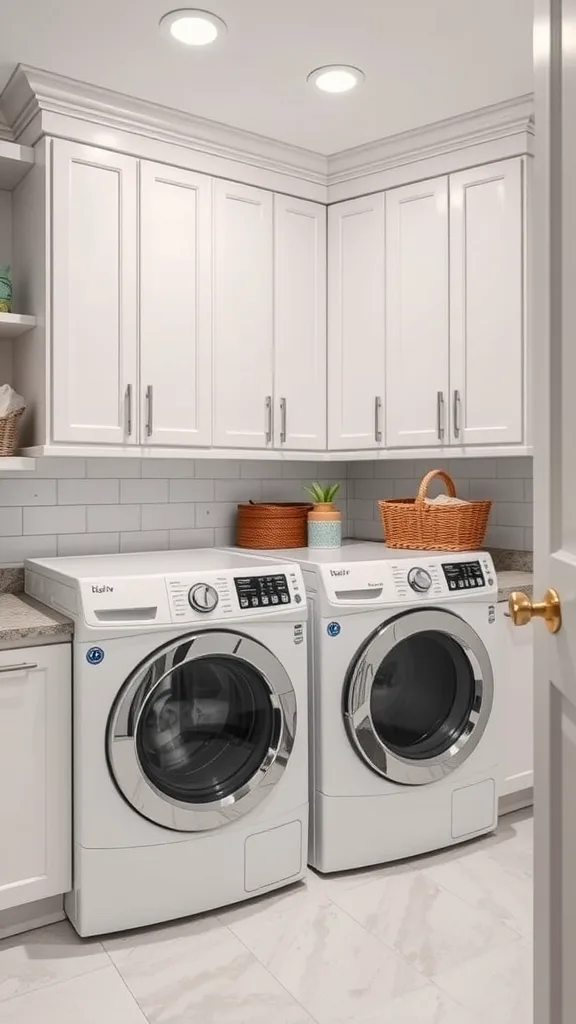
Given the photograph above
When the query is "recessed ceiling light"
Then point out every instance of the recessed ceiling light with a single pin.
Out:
(193, 28)
(336, 78)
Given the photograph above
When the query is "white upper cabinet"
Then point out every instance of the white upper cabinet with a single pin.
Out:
(243, 316)
(356, 323)
(299, 324)
(417, 377)
(94, 323)
(175, 306)
(486, 299)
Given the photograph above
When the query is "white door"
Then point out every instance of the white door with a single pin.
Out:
(417, 315)
(554, 295)
(175, 306)
(94, 334)
(243, 317)
(35, 781)
(356, 323)
(486, 304)
(299, 324)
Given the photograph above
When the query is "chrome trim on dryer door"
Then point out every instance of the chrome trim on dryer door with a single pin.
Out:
(358, 691)
(136, 696)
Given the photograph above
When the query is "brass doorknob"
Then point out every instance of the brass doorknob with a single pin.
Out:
(522, 609)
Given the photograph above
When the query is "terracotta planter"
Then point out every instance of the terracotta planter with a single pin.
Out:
(324, 526)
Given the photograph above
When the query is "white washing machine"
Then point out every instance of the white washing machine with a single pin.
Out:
(404, 713)
(190, 730)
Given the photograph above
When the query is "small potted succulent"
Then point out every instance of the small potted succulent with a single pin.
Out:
(325, 520)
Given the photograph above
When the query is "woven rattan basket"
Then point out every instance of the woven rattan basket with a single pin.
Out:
(412, 523)
(280, 525)
(9, 426)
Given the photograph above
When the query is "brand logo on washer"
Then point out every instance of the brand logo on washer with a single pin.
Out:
(94, 655)
(339, 572)
(333, 628)
(104, 589)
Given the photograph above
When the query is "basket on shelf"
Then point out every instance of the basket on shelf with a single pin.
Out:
(414, 523)
(9, 426)
(273, 525)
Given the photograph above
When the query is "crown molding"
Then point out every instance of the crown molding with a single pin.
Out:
(488, 124)
(32, 96)
(31, 91)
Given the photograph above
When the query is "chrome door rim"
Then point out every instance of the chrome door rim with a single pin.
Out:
(358, 689)
(127, 770)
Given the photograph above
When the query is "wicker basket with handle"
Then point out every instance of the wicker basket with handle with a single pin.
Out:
(414, 523)
(9, 426)
(274, 525)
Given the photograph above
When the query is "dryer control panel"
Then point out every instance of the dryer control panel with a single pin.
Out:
(221, 595)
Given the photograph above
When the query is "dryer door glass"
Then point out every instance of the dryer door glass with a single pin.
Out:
(419, 696)
(202, 730)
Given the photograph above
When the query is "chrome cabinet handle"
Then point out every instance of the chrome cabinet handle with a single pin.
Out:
(268, 408)
(129, 409)
(440, 414)
(150, 410)
(456, 415)
(24, 666)
(377, 410)
(282, 421)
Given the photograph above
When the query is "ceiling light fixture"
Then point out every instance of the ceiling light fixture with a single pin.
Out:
(193, 28)
(336, 78)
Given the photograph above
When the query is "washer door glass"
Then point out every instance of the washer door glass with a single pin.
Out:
(418, 696)
(198, 728)
(205, 729)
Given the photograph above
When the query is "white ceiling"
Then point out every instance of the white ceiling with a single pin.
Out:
(424, 60)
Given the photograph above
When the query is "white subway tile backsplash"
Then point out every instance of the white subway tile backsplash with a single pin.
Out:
(120, 468)
(27, 492)
(13, 550)
(362, 470)
(176, 516)
(88, 492)
(54, 519)
(183, 539)
(514, 467)
(505, 537)
(224, 536)
(360, 509)
(144, 540)
(395, 469)
(10, 521)
(191, 490)
(143, 492)
(237, 490)
(168, 468)
(513, 513)
(529, 490)
(88, 544)
(113, 518)
(217, 469)
(473, 468)
(373, 490)
(259, 469)
(211, 514)
(366, 529)
(58, 468)
(497, 489)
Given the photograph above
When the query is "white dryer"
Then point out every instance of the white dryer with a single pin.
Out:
(190, 730)
(404, 713)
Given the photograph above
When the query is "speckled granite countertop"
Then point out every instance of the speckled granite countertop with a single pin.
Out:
(24, 621)
(510, 580)
(514, 570)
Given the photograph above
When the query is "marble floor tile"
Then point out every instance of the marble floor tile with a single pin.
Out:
(97, 998)
(46, 956)
(198, 972)
(486, 883)
(496, 986)
(429, 1005)
(329, 963)
(433, 929)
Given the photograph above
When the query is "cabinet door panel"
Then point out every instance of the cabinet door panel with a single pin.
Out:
(486, 298)
(300, 323)
(243, 318)
(355, 323)
(94, 293)
(176, 305)
(417, 342)
(35, 783)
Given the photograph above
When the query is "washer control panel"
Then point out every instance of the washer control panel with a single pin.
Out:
(419, 579)
(463, 575)
(262, 591)
(203, 597)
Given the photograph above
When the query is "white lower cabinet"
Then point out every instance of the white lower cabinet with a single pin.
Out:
(516, 690)
(35, 773)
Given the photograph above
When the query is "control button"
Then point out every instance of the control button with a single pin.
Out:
(490, 581)
(275, 599)
(202, 597)
(460, 583)
(243, 602)
(254, 602)
(265, 600)
(297, 598)
(420, 580)
(284, 598)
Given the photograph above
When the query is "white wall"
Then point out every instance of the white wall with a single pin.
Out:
(507, 482)
(94, 506)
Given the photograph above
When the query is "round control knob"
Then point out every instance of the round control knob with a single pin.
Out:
(202, 597)
(420, 580)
